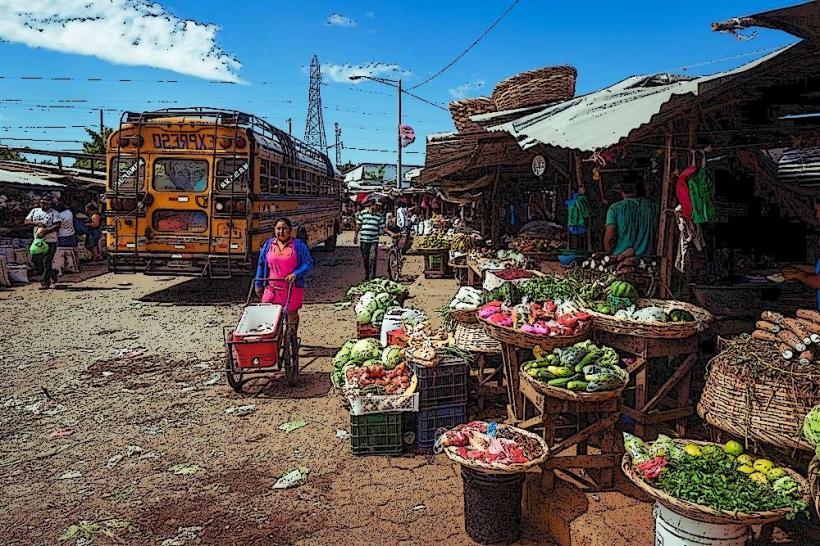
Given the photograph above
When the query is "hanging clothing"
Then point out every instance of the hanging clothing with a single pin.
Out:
(578, 211)
(690, 235)
(682, 189)
(702, 193)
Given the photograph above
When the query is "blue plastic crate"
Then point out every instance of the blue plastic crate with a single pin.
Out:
(430, 420)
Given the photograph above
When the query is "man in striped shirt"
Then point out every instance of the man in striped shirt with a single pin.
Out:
(369, 225)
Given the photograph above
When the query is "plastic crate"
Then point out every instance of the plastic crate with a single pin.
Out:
(376, 434)
(364, 331)
(431, 420)
(442, 385)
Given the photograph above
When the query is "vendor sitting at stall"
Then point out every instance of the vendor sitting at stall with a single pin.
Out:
(632, 222)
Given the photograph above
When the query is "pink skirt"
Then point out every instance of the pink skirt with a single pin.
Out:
(277, 292)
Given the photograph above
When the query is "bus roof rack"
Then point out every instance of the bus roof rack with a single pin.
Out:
(291, 144)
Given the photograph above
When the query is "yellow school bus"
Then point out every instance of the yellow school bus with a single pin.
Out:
(196, 191)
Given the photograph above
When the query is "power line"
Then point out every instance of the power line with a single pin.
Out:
(377, 150)
(440, 107)
(471, 46)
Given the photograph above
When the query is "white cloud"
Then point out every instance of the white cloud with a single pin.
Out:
(341, 73)
(339, 20)
(466, 88)
(131, 32)
(370, 15)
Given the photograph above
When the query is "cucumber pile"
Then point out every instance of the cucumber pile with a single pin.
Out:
(583, 367)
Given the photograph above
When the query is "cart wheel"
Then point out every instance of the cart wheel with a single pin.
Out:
(291, 358)
(234, 378)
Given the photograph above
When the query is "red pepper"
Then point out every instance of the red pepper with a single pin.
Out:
(583, 316)
(550, 306)
(568, 320)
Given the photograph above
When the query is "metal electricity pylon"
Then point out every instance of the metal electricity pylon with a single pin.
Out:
(315, 124)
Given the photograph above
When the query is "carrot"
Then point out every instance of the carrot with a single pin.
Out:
(785, 351)
(768, 326)
(808, 314)
(806, 357)
(792, 340)
(771, 316)
(796, 327)
(764, 336)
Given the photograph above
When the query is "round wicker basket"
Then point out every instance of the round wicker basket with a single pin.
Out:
(704, 513)
(667, 330)
(549, 84)
(769, 409)
(572, 396)
(495, 468)
(461, 110)
(464, 317)
(814, 482)
(523, 340)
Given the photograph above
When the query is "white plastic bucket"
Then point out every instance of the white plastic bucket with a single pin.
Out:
(18, 273)
(673, 529)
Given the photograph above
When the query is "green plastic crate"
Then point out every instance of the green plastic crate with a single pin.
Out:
(376, 434)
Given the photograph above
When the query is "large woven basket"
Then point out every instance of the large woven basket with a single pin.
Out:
(668, 330)
(495, 468)
(704, 513)
(767, 409)
(461, 110)
(523, 340)
(549, 84)
(572, 396)
(464, 317)
(814, 482)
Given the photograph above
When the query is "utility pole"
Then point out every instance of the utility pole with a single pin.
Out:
(398, 130)
(102, 123)
(315, 124)
(338, 144)
(290, 126)
(102, 137)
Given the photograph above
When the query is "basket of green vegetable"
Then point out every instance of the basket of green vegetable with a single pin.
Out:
(713, 483)
(583, 372)
(653, 318)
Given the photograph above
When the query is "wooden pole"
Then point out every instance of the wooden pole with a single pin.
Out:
(666, 219)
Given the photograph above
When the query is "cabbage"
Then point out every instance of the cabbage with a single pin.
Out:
(377, 318)
(365, 349)
(364, 316)
(650, 314)
(344, 353)
(391, 357)
(811, 427)
(384, 300)
(366, 302)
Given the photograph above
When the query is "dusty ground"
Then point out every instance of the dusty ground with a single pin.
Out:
(130, 360)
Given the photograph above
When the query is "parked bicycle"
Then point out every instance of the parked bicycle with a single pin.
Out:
(402, 241)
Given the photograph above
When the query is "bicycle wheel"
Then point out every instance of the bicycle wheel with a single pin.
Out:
(393, 265)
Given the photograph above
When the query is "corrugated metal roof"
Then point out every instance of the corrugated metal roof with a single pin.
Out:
(601, 119)
(23, 179)
(800, 167)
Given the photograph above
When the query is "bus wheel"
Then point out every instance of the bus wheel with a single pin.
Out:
(330, 243)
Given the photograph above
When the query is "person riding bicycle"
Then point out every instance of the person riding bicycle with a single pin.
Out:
(403, 228)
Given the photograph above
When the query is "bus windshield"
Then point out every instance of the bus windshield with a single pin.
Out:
(182, 175)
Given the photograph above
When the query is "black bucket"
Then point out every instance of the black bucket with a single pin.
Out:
(492, 506)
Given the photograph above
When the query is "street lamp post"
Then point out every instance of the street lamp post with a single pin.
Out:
(397, 85)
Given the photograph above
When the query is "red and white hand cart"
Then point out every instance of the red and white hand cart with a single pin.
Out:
(262, 343)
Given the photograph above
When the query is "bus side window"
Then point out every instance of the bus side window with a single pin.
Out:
(283, 179)
(264, 179)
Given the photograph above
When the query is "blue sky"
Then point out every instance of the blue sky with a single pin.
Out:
(274, 42)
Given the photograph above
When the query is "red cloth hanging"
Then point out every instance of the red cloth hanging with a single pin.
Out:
(682, 189)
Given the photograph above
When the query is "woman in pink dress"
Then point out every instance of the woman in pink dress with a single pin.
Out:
(283, 257)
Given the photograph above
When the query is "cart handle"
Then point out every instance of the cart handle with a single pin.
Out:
(266, 280)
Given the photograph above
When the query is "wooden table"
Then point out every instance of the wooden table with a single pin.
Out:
(652, 407)
(577, 424)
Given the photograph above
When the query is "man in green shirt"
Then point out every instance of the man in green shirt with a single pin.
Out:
(369, 225)
(632, 222)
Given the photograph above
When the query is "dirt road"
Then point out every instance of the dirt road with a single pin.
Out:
(114, 413)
